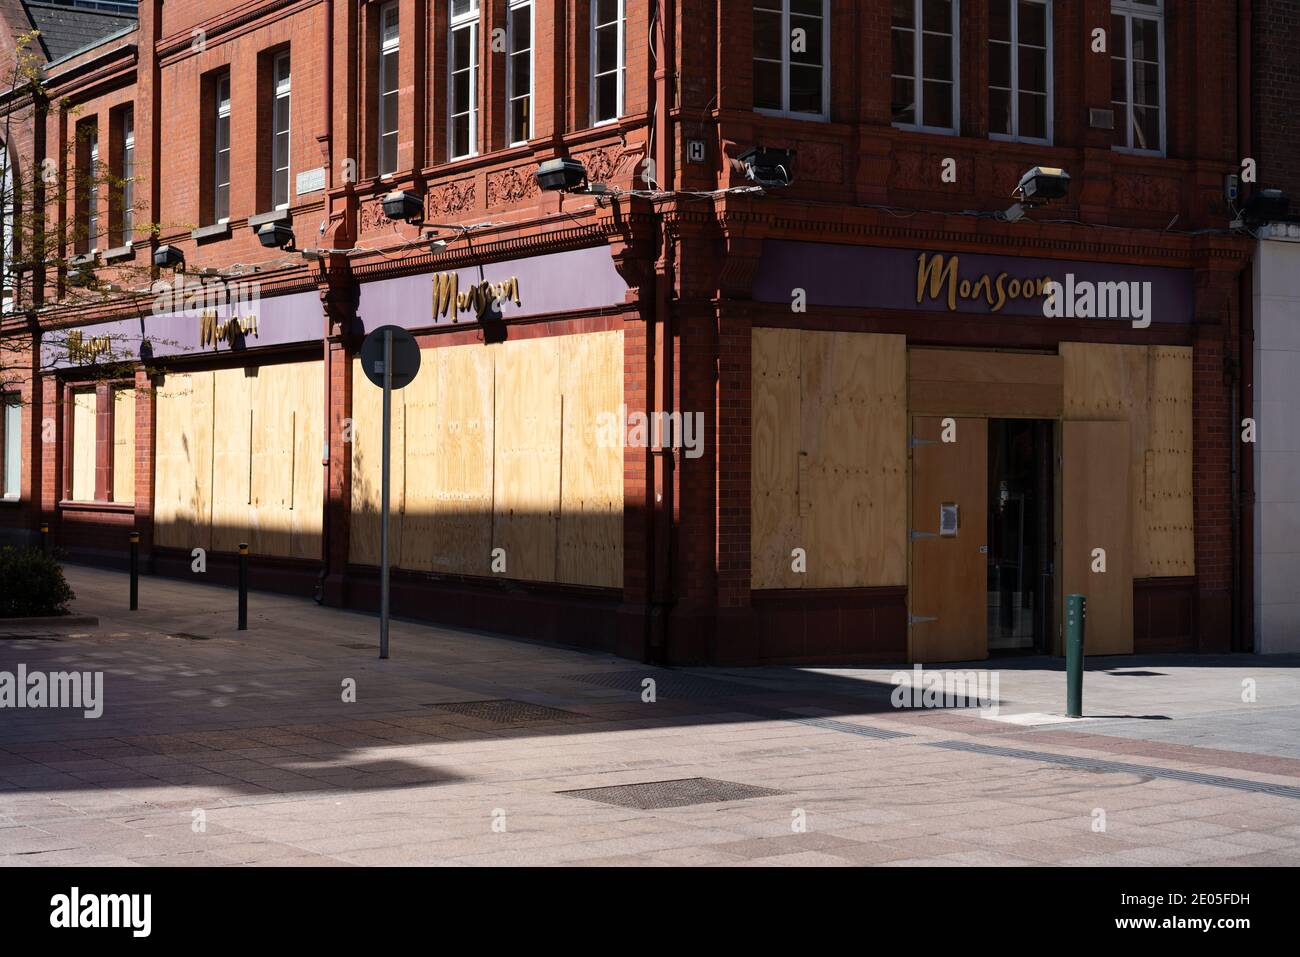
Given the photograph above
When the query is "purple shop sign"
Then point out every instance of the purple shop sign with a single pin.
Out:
(570, 281)
(832, 274)
(234, 319)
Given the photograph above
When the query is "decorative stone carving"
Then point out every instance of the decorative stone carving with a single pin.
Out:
(619, 165)
(450, 198)
(510, 186)
(819, 162)
(1143, 191)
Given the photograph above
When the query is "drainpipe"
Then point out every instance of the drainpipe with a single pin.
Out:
(1243, 554)
(662, 589)
(326, 464)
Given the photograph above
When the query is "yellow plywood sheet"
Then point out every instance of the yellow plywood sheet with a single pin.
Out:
(307, 504)
(590, 543)
(84, 403)
(953, 382)
(774, 484)
(367, 452)
(526, 480)
(463, 435)
(124, 444)
(183, 461)
(1095, 521)
(232, 442)
(420, 520)
(1167, 516)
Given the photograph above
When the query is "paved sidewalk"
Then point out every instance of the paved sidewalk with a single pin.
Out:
(220, 747)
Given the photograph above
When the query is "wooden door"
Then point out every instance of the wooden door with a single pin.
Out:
(948, 588)
(1095, 513)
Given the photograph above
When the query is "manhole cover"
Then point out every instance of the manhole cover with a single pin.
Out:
(679, 793)
(668, 684)
(505, 711)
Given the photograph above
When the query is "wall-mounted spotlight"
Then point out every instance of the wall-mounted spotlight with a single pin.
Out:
(168, 256)
(563, 174)
(1039, 186)
(404, 206)
(767, 166)
(275, 235)
(1265, 206)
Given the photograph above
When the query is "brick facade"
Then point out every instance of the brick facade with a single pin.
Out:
(689, 260)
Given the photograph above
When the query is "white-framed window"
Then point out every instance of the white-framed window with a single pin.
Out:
(608, 60)
(925, 92)
(8, 208)
(791, 54)
(1020, 70)
(1137, 56)
(11, 439)
(128, 175)
(462, 79)
(280, 131)
(92, 191)
(389, 36)
(519, 71)
(221, 150)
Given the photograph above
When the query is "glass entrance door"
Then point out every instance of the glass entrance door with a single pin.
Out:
(1020, 541)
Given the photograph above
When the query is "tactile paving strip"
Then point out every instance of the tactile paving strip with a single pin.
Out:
(1148, 770)
(679, 793)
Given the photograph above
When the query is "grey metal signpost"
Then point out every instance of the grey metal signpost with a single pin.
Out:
(390, 358)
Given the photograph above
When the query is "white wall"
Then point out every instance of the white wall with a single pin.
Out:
(1277, 447)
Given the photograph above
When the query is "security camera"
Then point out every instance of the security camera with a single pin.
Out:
(766, 166)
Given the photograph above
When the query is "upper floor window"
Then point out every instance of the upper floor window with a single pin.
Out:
(11, 438)
(221, 149)
(126, 134)
(8, 206)
(608, 29)
(1020, 69)
(519, 71)
(462, 79)
(280, 132)
(387, 88)
(790, 57)
(925, 65)
(1137, 41)
(87, 186)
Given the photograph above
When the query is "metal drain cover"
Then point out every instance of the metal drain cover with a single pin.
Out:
(668, 684)
(679, 793)
(190, 637)
(506, 711)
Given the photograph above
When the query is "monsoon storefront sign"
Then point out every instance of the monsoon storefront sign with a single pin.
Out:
(830, 274)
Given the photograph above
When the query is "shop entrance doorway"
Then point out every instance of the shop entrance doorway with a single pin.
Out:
(1021, 543)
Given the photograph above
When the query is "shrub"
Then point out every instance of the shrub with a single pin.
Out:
(31, 584)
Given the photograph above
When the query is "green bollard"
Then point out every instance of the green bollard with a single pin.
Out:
(1076, 611)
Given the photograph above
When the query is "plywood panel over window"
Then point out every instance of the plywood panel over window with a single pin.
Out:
(124, 444)
(499, 447)
(84, 404)
(238, 460)
(183, 461)
(849, 464)
(1150, 388)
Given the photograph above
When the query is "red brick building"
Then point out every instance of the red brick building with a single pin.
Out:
(901, 455)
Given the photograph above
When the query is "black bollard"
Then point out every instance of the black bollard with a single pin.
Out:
(243, 586)
(135, 571)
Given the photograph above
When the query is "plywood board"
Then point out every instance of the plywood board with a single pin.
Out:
(233, 515)
(307, 385)
(183, 461)
(1095, 514)
(949, 575)
(971, 382)
(1167, 515)
(775, 526)
(367, 453)
(84, 404)
(421, 498)
(124, 444)
(526, 481)
(590, 535)
(464, 438)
